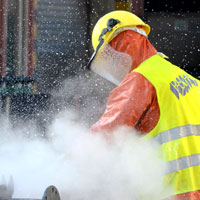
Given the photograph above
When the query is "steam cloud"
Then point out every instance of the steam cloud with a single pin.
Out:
(83, 166)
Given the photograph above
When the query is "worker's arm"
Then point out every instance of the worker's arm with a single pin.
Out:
(132, 103)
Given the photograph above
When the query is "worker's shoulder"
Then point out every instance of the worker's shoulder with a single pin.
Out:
(135, 77)
(135, 81)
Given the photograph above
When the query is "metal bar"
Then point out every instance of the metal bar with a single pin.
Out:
(3, 22)
(137, 7)
(30, 67)
(19, 70)
(123, 5)
(25, 37)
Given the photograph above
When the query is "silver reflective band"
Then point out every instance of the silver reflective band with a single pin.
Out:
(177, 133)
(133, 28)
(183, 163)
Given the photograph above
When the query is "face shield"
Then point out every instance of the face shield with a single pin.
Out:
(111, 64)
(107, 62)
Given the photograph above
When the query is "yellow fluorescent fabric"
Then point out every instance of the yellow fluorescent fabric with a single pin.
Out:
(174, 110)
(178, 95)
(185, 179)
(182, 147)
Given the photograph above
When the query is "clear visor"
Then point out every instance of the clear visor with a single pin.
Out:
(111, 64)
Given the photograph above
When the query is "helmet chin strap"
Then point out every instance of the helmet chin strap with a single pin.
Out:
(110, 24)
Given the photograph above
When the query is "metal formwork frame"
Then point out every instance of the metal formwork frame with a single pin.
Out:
(3, 33)
(137, 7)
(30, 32)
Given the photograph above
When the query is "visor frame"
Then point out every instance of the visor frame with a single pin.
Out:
(110, 25)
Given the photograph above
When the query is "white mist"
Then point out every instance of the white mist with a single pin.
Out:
(81, 165)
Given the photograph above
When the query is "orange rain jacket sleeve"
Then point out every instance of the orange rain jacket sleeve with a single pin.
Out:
(134, 101)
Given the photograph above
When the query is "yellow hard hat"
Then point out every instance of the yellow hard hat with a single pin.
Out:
(125, 18)
(110, 25)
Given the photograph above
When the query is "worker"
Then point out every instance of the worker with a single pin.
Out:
(155, 97)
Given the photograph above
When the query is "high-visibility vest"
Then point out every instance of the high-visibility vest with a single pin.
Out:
(178, 129)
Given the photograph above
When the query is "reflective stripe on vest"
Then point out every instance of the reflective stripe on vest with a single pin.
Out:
(178, 132)
(183, 163)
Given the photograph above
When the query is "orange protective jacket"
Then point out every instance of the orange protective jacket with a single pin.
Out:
(134, 101)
